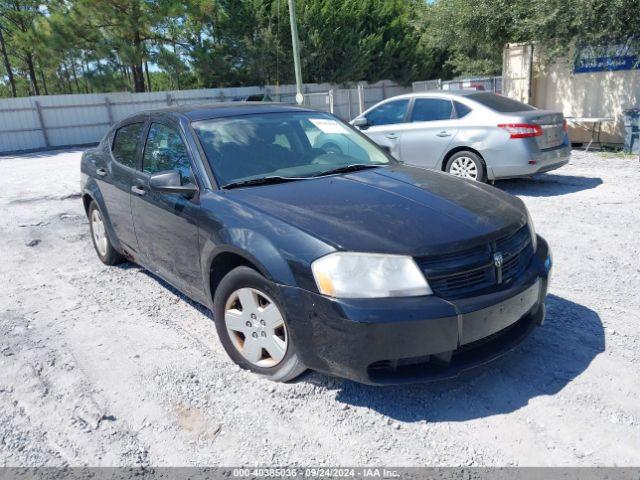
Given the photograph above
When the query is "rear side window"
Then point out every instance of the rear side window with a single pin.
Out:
(500, 103)
(388, 113)
(431, 109)
(461, 109)
(125, 144)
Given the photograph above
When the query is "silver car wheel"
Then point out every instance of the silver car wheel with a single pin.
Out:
(256, 327)
(464, 167)
(99, 232)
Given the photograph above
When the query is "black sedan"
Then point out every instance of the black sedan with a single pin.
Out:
(346, 262)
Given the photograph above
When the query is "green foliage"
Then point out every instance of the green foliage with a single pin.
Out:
(78, 46)
(473, 32)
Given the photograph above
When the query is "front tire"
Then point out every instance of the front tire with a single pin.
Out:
(252, 326)
(101, 242)
(466, 164)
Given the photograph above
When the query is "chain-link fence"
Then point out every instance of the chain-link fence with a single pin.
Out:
(488, 84)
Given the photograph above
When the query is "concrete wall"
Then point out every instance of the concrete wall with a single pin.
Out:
(40, 123)
(556, 87)
(594, 94)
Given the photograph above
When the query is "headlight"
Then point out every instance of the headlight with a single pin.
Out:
(368, 275)
(532, 230)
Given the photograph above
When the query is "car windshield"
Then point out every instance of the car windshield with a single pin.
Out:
(291, 145)
(499, 103)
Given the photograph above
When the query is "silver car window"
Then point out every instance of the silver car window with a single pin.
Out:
(499, 103)
(431, 109)
(461, 109)
(388, 113)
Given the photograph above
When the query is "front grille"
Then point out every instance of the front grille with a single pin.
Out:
(473, 271)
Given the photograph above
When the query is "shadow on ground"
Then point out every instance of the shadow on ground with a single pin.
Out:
(544, 364)
(545, 185)
(133, 266)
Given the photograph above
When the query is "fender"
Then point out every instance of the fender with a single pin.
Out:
(240, 241)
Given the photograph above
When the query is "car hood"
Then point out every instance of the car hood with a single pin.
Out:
(396, 209)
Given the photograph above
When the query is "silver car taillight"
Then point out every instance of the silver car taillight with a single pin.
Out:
(521, 130)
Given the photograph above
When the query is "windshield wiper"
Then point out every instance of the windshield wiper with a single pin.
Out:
(272, 179)
(348, 168)
(261, 181)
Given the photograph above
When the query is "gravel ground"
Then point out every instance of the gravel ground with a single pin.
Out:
(110, 366)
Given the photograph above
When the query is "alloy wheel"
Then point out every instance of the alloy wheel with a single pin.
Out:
(99, 232)
(256, 327)
(464, 167)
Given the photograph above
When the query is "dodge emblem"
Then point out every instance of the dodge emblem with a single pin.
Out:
(497, 259)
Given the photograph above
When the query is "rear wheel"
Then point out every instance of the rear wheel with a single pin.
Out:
(106, 253)
(252, 325)
(467, 164)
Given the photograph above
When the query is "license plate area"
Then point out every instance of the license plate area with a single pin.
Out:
(485, 322)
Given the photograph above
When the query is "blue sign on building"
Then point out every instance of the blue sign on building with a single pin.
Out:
(604, 58)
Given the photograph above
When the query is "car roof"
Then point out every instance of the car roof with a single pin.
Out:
(206, 111)
(440, 93)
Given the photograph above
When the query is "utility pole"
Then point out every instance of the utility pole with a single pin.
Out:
(296, 51)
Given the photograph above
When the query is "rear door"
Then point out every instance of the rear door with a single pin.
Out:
(166, 224)
(386, 123)
(116, 177)
(426, 137)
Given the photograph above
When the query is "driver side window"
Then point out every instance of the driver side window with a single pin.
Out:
(388, 113)
(165, 150)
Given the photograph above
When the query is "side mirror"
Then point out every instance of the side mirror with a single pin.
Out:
(361, 122)
(171, 182)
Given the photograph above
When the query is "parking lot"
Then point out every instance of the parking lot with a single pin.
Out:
(111, 366)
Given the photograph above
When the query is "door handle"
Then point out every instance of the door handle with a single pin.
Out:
(392, 136)
(138, 190)
(443, 133)
(101, 172)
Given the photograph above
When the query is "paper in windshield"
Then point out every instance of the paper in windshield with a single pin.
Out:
(326, 125)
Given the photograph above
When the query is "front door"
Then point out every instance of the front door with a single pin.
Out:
(428, 134)
(166, 224)
(386, 123)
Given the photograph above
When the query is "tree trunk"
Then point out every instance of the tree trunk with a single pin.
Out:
(85, 74)
(67, 77)
(75, 75)
(136, 68)
(177, 68)
(44, 82)
(146, 71)
(138, 78)
(7, 65)
(32, 74)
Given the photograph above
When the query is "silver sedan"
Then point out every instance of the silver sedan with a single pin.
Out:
(470, 134)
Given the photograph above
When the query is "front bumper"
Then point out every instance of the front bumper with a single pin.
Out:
(401, 340)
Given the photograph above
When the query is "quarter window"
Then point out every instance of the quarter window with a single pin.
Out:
(461, 109)
(125, 144)
(388, 113)
(431, 109)
(165, 150)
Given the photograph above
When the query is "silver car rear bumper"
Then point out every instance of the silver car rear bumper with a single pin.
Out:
(524, 162)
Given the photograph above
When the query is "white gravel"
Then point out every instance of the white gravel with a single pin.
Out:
(110, 366)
